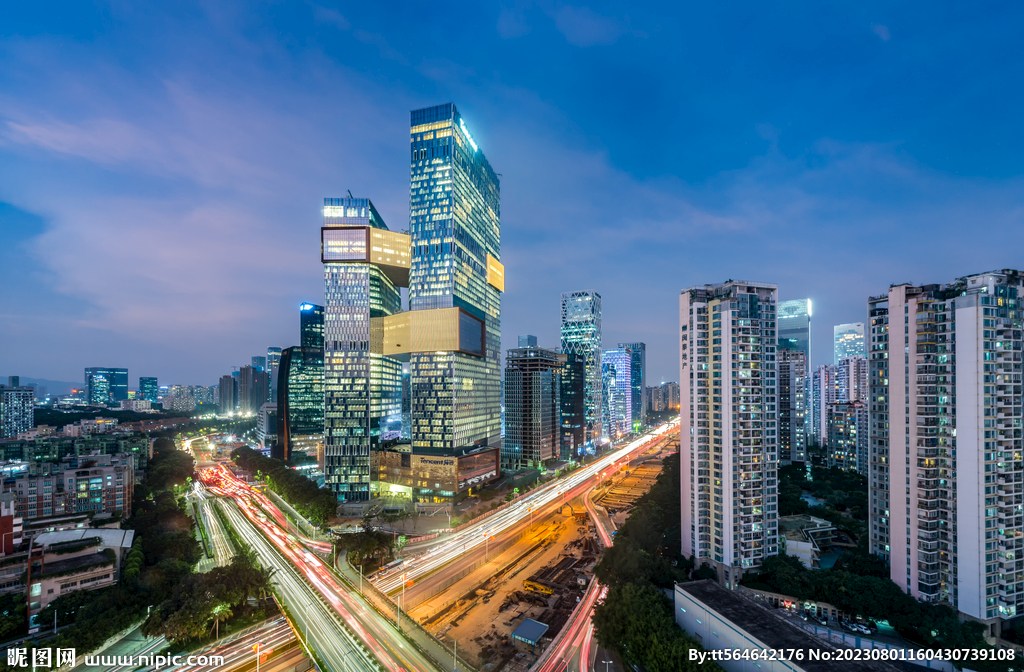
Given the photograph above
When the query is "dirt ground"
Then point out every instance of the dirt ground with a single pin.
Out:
(486, 627)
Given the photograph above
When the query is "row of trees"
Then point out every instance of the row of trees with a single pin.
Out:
(873, 597)
(368, 546)
(315, 503)
(635, 619)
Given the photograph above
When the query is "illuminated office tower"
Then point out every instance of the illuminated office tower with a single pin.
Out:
(848, 341)
(619, 406)
(149, 389)
(227, 398)
(945, 417)
(571, 407)
(795, 334)
(637, 382)
(273, 364)
(364, 266)
(455, 285)
(792, 405)
(581, 336)
(728, 426)
(300, 401)
(104, 385)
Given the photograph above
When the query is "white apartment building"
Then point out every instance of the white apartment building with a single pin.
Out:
(946, 473)
(728, 425)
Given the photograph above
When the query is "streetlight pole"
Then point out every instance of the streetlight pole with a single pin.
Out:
(455, 656)
(606, 664)
(256, 648)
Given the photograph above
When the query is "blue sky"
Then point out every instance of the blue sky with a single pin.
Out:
(162, 166)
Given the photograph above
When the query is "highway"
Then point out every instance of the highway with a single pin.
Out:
(536, 502)
(303, 580)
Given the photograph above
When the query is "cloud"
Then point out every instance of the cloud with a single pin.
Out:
(330, 16)
(881, 31)
(512, 23)
(583, 28)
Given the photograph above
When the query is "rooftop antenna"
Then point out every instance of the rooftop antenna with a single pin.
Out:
(350, 193)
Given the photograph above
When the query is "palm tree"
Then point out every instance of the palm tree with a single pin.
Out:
(221, 612)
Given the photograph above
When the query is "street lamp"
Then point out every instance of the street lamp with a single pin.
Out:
(256, 648)
(606, 664)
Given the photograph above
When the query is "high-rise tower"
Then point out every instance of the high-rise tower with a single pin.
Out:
(848, 340)
(581, 336)
(638, 382)
(364, 266)
(728, 434)
(455, 285)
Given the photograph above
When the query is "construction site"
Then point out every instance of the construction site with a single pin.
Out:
(540, 577)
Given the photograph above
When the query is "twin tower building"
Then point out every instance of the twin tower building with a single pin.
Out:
(448, 340)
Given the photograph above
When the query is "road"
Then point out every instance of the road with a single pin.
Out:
(535, 503)
(304, 580)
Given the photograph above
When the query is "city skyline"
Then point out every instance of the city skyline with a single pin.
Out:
(188, 184)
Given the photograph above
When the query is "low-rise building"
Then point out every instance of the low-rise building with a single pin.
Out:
(136, 404)
(96, 483)
(432, 478)
(806, 537)
(70, 560)
(90, 426)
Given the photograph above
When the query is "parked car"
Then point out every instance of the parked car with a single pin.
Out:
(820, 619)
(872, 626)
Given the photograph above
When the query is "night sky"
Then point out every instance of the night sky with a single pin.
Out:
(163, 167)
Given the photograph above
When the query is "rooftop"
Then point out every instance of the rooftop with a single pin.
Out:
(75, 564)
(109, 538)
(530, 631)
(757, 622)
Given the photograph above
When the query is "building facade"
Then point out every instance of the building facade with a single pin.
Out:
(948, 393)
(617, 391)
(273, 364)
(149, 389)
(17, 410)
(532, 409)
(581, 336)
(78, 484)
(365, 264)
(848, 436)
(105, 385)
(301, 400)
(227, 397)
(848, 341)
(571, 406)
(728, 425)
(638, 383)
(311, 326)
(792, 405)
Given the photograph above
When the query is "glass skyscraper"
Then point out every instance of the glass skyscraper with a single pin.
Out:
(637, 382)
(149, 389)
(104, 385)
(455, 285)
(301, 400)
(364, 266)
(848, 340)
(273, 364)
(311, 326)
(581, 336)
(618, 363)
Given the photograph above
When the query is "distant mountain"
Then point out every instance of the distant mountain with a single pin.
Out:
(52, 386)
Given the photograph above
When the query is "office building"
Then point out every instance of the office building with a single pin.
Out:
(581, 336)
(848, 436)
(638, 382)
(259, 362)
(266, 426)
(311, 326)
(273, 364)
(728, 426)
(227, 399)
(792, 405)
(532, 412)
(852, 379)
(527, 341)
(945, 416)
(17, 410)
(795, 334)
(365, 264)
(13, 381)
(104, 385)
(571, 408)
(253, 389)
(848, 341)
(300, 401)
(617, 372)
(149, 389)
(835, 383)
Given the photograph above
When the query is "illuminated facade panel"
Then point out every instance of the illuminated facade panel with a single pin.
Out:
(638, 382)
(495, 274)
(617, 391)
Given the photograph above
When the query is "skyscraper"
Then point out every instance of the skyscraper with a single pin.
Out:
(728, 454)
(311, 326)
(528, 341)
(619, 407)
(253, 389)
(571, 407)
(105, 385)
(455, 285)
(945, 452)
(149, 389)
(848, 436)
(795, 334)
(17, 410)
(300, 419)
(273, 364)
(638, 382)
(792, 405)
(581, 336)
(259, 362)
(364, 266)
(228, 395)
(532, 422)
(848, 340)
